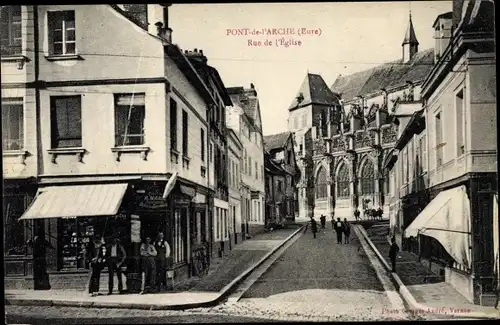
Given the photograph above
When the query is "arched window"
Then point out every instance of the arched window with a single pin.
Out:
(343, 182)
(367, 178)
(321, 184)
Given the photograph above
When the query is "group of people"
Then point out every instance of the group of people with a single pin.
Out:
(154, 264)
(340, 227)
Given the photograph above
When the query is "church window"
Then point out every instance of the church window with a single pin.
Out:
(321, 184)
(343, 182)
(367, 178)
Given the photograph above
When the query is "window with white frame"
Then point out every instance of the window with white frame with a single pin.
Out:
(130, 113)
(10, 31)
(459, 109)
(256, 171)
(62, 37)
(249, 166)
(12, 124)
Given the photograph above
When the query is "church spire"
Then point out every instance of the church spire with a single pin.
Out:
(410, 43)
(410, 37)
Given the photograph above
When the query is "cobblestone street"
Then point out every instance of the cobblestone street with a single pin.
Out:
(314, 280)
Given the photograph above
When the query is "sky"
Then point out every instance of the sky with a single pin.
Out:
(350, 37)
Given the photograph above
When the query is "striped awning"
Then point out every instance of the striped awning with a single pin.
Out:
(76, 201)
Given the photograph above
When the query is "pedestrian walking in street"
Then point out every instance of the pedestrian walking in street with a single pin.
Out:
(323, 221)
(339, 229)
(379, 214)
(115, 258)
(314, 227)
(347, 231)
(97, 264)
(162, 258)
(356, 214)
(40, 275)
(148, 254)
(393, 253)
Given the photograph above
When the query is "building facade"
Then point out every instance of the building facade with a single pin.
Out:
(447, 160)
(245, 119)
(275, 178)
(102, 176)
(235, 149)
(280, 148)
(217, 149)
(353, 135)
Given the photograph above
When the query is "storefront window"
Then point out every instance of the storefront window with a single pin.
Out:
(79, 234)
(180, 217)
(14, 241)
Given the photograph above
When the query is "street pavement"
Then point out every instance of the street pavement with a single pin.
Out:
(315, 279)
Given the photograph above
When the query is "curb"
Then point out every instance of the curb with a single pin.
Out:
(209, 303)
(406, 294)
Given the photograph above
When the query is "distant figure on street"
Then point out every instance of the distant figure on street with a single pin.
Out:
(379, 213)
(347, 231)
(162, 258)
(356, 214)
(115, 258)
(323, 221)
(148, 254)
(339, 228)
(97, 264)
(393, 253)
(40, 275)
(314, 227)
(333, 221)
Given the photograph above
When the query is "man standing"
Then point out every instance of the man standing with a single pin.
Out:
(115, 258)
(314, 227)
(356, 214)
(163, 254)
(323, 221)
(339, 229)
(40, 275)
(148, 254)
(393, 253)
(379, 213)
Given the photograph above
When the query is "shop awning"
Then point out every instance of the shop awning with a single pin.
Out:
(447, 219)
(76, 201)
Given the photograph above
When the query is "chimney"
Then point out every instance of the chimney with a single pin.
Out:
(252, 86)
(442, 34)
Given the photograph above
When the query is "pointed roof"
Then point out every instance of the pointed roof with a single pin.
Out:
(247, 99)
(410, 37)
(313, 91)
(276, 141)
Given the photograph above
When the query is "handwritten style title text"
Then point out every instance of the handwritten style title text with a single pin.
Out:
(287, 37)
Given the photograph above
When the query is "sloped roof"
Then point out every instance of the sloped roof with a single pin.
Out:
(388, 75)
(314, 90)
(276, 141)
(250, 102)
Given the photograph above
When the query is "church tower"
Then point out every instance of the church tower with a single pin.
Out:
(410, 43)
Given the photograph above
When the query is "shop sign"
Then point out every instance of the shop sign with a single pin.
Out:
(153, 200)
(135, 229)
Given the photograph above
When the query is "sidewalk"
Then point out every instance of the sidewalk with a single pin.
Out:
(225, 274)
(422, 289)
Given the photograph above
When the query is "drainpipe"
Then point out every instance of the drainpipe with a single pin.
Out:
(39, 152)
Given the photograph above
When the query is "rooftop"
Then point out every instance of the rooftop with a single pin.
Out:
(276, 141)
